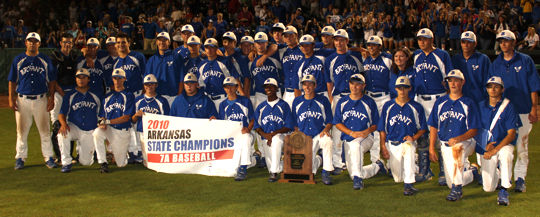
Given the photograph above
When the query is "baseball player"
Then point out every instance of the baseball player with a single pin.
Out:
(377, 73)
(78, 117)
(327, 38)
(193, 103)
(97, 73)
(113, 123)
(132, 62)
(193, 60)
(311, 64)
(273, 121)
(313, 116)
(454, 121)
(291, 55)
(184, 51)
(107, 59)
(356, 117)
(151, 102)
(522, 84)
(401, 124)
(238, 61)
(432, 65)
(31, 76)
(277, 33)
(164, 67)
(64, 61)
(340, 67)
(240, 108)
(248, 46)
(499, 116)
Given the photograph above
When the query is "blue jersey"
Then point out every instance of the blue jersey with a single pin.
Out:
(311, 116)
(289, 58)
(152, 105)
(241, 64)
(272, 116)
(508, 119)
(476, 72)
(135, 65)
(401, 121)
(241, 109)
(167, 71)
(454, 118)
(97, 75)
(520, 79)
(213, 73)
(118, 104)
(32, 74)
(190, 66)
(107, 61)
(410, 73)
(127, 28)
(270, 69)
(340, 68)
(313, 65)
(183, 51)
(196, 106)
(431, 71)
(320, 50)
(377, 72)
(81, 109)
(150, 30)
(357, 115)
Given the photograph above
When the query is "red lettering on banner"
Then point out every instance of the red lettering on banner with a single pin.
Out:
(190, 157)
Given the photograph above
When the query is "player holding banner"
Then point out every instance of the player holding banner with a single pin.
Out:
(500, 122)
(401, 124)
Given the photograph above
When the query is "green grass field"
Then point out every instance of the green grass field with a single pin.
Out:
(39, 191)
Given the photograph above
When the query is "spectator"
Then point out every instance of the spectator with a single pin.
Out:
(238, 31)
(263, 12)
(74, 30)
(175, 15)
(80, 41)
(89, 31)
(177, 35)
(210, 16)
(287, 4)
(233, 8)
(73, 13)
(388, 36)
(150, 32)
(279, 11)
(113, 32)
(325, 4)
(127, 27)
(101, 32)
(294, 21)
(527, 9)
(139, 33)
(398, 30)
(487, 33)
(499, 27)
(20, 37)
(263, 27)
(245, 17)
(23, 28)
(198, 27)
(161, 27)
(61, 32)
(440, 29)
(455, 31)
(209, 31)
(51, 40)
(314, 8)
(410, 31)
(221, 26)
(530, 41)
(358, 29)
(98, 8)
(8, 34)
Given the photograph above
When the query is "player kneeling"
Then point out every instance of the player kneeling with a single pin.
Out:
(239, 108)
(274, 120)
(402, 122)
(501, 120)
(455, 121)
(114, 124)
(357, 117)
(78, 117)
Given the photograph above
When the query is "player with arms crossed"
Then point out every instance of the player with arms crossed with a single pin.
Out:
(401, 124)
(357, 117)
(454, 121)
(522, 84)
(500, 119)
(78, 118)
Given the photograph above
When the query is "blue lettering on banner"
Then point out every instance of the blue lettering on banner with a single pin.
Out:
(190, 145)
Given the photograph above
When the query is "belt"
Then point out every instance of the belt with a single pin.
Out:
(376, 94)
(31, 97)
(394, 142)
(216, 97)
(122, 129)
(445, 143)
(431, 97)
(289, 90)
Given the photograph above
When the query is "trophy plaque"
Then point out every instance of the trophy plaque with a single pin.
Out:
(298, 159)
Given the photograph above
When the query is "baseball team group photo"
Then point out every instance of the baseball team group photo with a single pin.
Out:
(284, 121)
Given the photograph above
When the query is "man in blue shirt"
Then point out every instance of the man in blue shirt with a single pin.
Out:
(97, 72)
(290, 55)
(239, 62)
(149, 33)
(193, 103)
(132, 62)
(128, 27)
(8, 34)
(311, 64)
(89, 31)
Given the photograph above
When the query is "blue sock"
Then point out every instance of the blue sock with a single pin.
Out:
(243, 166)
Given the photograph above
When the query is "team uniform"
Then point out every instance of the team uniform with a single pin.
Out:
(313, 65)
(134, 64)
(410, 73)
(212, 75)
(97, 76)
(476, 72)
(152, 105)
(289, 58)
(197, 106)
(115, 105)
(271, 69)
(168, 73)
(107, 61)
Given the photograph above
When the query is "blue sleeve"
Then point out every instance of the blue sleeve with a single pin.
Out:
(337, 115)
(512, 120)
(474, 117)
(421, 117)
(374, 113)
(221, 111)
(130, 105)
(52, 71)
(148, 67)
(233, 70)
(102, 108)
(173, 111)
(250, 110)
(534, 79)
(381, 126)
(288, 117)
(142, 61)
(13, 73)
(295, 80)
(210, 108)
(293, 113)
(64, 109)
(166, 107)
(485, 73)
(447, 63)
(327, 71)
(328, 110)
(433, 117)
(256, 124)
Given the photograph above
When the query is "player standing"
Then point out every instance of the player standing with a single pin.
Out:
(31, 76)
(311, 64)
(193, 103)
(356, 118)
(238, 61)
(401, 124)
(522, 84)
(454, 121)
(97, 73)
(289, 58)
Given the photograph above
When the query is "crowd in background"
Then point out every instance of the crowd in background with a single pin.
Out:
(396, 21)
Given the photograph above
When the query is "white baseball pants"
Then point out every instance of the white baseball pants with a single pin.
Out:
(354, 156)
(273, 153)
(85, 145)
(522, 146)
(336, 137)
(402, 161)
(455, 162)
(119, 141)
(327, 145)
(289, 98)
(491, 174)
(36, 109)
(375, 152)
(57, 105)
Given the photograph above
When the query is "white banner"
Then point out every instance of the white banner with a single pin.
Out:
(190, 145)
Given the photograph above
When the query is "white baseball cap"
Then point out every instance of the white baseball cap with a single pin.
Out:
(210, 21)
(270, 81)
(92, 41)
(229, 35)
(150, 79)
(82, 71)
(374, 40)
(188, 28)
(230, 81)
(455, 74)
(495, 80)
(211, 42)
(194, 40)
(190, 78)
(111, 40)
(247, 39)
(357, 78)
(119, 73)
(506, 34)
(403, 81)
(425, 32)
(309, 78)
(290, 30)
(261, 37)
(307, 39)
(468, 36)
(279, 26)
(34, 36)
(341, 33)
(164, 35)
(328, 30)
